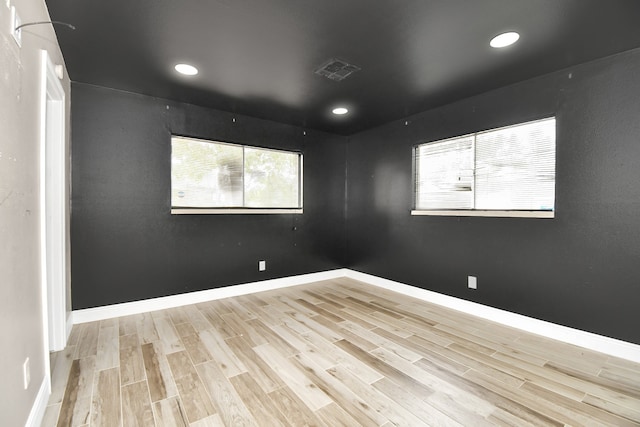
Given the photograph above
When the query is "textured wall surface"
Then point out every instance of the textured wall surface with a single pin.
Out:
(580, 269)
(127, 246)
(21, 322)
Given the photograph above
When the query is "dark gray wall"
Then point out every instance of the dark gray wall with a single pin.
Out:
(581, 269)
(127, 246)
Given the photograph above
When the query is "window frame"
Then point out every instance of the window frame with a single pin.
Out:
(498, 213)
(177, 210)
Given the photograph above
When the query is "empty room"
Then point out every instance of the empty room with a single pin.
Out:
(320, 213)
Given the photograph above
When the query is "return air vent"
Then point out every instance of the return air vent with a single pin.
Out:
(336, 69)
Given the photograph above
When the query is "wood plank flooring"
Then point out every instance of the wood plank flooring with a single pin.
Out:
(332, 353)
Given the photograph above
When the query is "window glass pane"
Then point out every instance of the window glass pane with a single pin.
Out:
(271, 179)
(205, 174)
(515, 167)
(444, 174)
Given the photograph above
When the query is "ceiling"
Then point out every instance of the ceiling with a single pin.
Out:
(257, 57)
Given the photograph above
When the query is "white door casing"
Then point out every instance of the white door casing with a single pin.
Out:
(53, 207)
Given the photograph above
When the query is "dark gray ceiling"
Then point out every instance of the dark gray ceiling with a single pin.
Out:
(257, 57)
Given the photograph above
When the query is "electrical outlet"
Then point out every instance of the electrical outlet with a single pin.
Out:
(472, 282)
(26, 373)
(262, 265)
(15, 23)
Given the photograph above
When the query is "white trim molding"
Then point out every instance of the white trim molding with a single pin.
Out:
(591, 341)
(53, 209)
(230, 211)
(485, 213)
(161, 303)
(40, 404)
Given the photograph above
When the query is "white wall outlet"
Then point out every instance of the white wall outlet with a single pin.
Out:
(262, 265)
(15, 23)
(472, 282)
(26, 373)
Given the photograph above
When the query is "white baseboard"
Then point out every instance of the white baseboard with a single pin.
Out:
(40, 405)
(161, 303)
(591, 341)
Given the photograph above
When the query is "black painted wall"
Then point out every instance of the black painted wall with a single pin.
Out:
(126, 245)
(581, 269)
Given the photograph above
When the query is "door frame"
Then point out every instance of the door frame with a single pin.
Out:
(53, 208)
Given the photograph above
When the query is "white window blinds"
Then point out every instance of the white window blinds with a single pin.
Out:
(445, 174)
(209, 174)
(271, 178)
(511, 168)
(515, 167)
(205, 174)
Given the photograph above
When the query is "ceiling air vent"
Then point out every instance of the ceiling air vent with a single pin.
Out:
(336, 69)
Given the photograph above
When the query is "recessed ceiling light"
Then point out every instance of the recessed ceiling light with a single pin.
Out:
(339, 111)
(504, 39)
(186, 69)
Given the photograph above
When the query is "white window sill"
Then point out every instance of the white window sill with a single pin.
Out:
(197, 211)
(497, 214)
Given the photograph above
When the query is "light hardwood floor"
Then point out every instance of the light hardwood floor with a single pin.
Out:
(331, 353)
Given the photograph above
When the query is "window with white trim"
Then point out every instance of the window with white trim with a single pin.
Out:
(219, 177)
(508, 171)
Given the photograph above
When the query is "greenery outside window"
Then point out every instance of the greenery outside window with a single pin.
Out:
(219, 177)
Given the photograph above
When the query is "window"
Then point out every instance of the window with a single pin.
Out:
(217, 177)
(508, 171)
